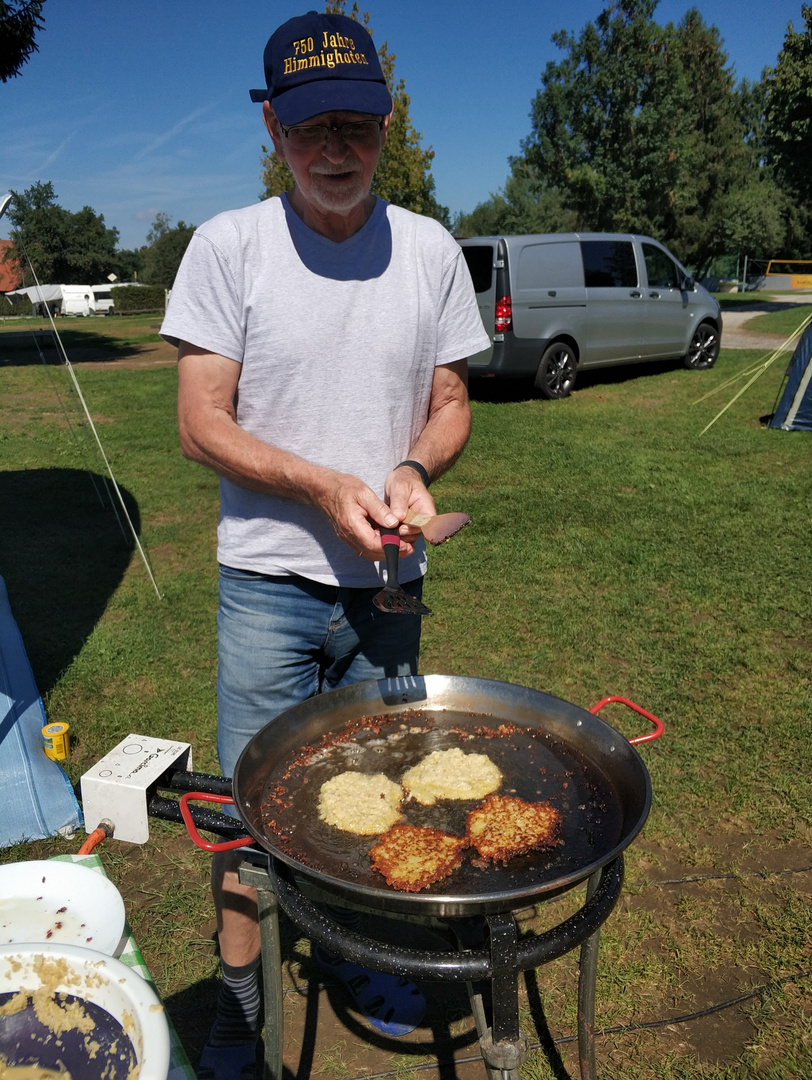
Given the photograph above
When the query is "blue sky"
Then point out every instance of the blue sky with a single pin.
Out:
(138, 107)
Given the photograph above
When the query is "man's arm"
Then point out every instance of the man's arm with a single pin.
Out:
(439, 445)
(210, 435)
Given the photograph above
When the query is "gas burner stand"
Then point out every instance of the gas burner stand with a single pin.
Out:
(490, 952)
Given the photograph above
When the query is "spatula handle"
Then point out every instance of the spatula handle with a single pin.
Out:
(391, 551)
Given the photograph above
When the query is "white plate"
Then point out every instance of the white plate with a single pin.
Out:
(60, 903)
(105, 981)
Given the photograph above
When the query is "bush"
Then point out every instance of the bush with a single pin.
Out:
(132, 299)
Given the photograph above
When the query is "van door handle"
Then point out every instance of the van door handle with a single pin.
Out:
(636, 294)
(551, 292)
(654, 295)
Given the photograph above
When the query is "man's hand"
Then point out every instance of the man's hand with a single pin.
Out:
(357, 515)
(438, 447)
(210, 435)
(406, 491)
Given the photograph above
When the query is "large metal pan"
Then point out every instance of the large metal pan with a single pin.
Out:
(552, 750)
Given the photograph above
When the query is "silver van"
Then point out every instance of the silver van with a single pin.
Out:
(559, 303)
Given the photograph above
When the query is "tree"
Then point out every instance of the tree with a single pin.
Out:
(720, 195)
(594, 136)
(128, 264)
(524, 205)
(641, 129)
(753, 106)
(165, 248)
(275, 175)
(64, 248)
(19, 22)
(37, 228)
(91, 246)
(403, 175)
(788, 112)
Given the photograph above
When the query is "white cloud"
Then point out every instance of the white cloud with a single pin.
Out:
(167, 136)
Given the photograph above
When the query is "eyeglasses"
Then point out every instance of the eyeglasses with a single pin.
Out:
(357, 133)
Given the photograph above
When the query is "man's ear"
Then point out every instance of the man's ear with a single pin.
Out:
(387, 120)
(271, 122)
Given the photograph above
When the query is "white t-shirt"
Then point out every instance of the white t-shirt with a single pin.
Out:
(338, 343)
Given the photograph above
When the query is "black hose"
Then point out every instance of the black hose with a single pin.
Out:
(204, 818)
(620, 1029)
(180, 780)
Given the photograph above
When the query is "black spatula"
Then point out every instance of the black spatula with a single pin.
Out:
(392, 597)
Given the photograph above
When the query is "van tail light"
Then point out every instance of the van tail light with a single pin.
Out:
(503, 315)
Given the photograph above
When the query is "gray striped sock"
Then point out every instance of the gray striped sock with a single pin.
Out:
(238, 1004)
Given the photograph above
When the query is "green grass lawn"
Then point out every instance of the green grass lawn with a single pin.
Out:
(784, 322)
(612, 550)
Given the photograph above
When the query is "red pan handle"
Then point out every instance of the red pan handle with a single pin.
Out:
(659, 727)
(207, 845)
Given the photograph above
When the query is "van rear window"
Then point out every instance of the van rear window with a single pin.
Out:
(480, 264)
(551, 265)
(609, 264)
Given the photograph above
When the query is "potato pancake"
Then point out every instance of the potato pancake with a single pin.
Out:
(451, 774)
(411, 857)
(359, 803)
(503, 827)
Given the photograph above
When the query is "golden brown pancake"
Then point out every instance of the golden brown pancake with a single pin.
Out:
(451, 774)
(359, 803)
(503, 827)
(411, 857)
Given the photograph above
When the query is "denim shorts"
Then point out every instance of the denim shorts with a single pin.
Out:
(282, 640)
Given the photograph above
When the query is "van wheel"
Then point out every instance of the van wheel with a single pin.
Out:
(704, 348)
(555, 377)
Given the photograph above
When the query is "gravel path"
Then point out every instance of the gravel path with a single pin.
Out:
(736, 336)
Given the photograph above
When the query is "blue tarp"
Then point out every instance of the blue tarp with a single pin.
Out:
(38, 799)
(794, 412)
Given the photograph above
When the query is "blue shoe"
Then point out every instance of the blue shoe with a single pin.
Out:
(228, 1062)
(393, 1005)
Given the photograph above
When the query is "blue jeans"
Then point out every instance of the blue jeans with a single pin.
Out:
(284, 639)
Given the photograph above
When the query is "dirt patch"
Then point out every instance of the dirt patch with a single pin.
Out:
(746, 339)
(157, 354)
(693, 920)
(717, 1038)
(735, 332)
(97, 346)
(697, 965)
(725, 852)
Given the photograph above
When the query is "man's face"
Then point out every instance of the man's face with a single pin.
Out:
(334, 174)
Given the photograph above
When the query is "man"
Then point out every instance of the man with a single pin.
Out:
(322, 340)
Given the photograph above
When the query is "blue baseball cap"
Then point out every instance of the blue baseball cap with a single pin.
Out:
(318, 63)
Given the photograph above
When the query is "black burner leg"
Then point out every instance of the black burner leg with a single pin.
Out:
(271, 952)
(504, 1047)
(587, 979)
(470, 936)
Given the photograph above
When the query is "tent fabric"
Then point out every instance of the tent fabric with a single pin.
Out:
(37, 293)
(794, 412)
(38, 799)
